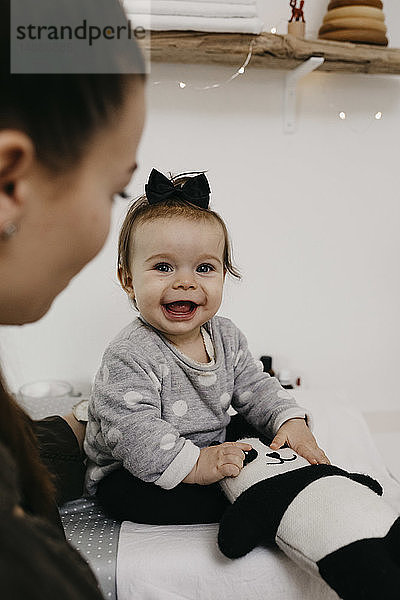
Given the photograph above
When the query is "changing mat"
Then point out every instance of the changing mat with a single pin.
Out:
(179, 562)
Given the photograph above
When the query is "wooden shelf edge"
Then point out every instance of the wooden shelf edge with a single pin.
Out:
(269, 51)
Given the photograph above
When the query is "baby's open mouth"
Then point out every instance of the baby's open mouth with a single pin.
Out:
(183, 307)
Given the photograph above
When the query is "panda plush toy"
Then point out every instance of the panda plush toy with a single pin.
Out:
(332, 523)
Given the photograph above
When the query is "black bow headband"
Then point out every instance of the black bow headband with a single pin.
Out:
(195, 190)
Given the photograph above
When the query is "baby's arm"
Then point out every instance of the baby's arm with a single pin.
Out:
(126, 423)
(271, 409)
(259, 398)
(217, 462)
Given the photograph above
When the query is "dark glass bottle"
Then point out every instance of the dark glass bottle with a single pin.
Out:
(267, 365)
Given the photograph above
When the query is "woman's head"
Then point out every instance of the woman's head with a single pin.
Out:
(67, 146)
(172, 261)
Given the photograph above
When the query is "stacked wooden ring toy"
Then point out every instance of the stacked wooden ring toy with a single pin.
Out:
(360, 21)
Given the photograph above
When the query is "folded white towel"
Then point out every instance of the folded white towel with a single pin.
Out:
(190, 8)
(177, 23)
(130, 4)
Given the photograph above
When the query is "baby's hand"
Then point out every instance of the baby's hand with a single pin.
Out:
(298, 436)
(217, 462)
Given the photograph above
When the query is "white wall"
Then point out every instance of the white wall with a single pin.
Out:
(314, 218)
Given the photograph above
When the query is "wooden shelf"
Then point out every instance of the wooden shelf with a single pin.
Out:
(270, 51)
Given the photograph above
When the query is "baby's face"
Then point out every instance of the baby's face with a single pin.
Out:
(178, 274)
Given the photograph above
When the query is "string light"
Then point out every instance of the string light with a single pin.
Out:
(357, 122)
(279, 27)
(378, 115)
(241, 70)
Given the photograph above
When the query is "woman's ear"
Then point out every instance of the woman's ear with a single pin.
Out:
(16, 157)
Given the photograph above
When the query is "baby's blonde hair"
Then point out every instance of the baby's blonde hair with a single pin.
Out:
(141, 211)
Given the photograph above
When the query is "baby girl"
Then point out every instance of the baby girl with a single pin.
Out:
(160, 435)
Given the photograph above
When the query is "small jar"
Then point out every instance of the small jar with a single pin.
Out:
(285, 377)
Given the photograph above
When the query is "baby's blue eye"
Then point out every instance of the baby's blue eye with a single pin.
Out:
(205, 268)
(163, 267)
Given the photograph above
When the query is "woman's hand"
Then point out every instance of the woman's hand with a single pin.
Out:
(298, 436)
(217, 462)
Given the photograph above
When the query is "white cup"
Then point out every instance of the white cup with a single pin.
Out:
(44, 398)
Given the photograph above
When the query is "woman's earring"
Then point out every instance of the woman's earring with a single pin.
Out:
(8, 231)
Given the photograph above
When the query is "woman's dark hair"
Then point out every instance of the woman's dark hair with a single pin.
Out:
(17, 434)
(60, 113)
(10, 495)
(35, 560)
(37, 564)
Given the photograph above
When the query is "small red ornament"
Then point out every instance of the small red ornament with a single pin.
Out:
(297, 13)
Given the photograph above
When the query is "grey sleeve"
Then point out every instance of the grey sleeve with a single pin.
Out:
(260, 398)
(126, 401)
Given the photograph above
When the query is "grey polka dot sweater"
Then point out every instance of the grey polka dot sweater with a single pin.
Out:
(153, 408)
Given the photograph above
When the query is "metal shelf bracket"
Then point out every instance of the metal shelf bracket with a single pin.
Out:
(290, 93)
